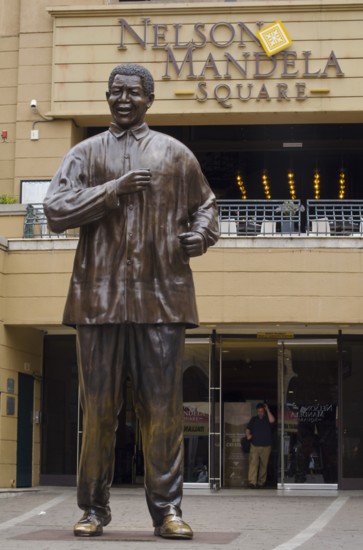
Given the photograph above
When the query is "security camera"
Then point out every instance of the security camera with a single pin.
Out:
(33, 104)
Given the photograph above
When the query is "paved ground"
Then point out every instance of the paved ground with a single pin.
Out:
(42, 519)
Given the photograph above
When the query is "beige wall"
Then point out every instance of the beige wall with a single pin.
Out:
(9, 51)
(246, 284)
(38, 159)
(26, 37)
(243, 284)
(20, 351)
(298, 285)
(36, 283)
(12, 220)
(66, 70)
(81, 65)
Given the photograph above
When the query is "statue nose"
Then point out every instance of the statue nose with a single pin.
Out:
(123, 98)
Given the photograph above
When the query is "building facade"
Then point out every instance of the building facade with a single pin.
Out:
(270, 99)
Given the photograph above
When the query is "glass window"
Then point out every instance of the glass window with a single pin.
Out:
(309, 413)
(352, 392)
(196, 411)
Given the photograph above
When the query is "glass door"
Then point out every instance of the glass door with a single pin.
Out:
(351, 421)
(215, 417)
(308, 413)
(196, 407)
(249, 376)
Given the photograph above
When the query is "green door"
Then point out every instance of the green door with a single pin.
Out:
(25, 431)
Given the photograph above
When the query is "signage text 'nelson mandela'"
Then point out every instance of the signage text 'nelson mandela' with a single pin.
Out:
(180, 44)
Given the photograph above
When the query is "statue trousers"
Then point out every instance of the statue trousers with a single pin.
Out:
(152, 356)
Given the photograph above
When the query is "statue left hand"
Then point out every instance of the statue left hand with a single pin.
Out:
(192, 243)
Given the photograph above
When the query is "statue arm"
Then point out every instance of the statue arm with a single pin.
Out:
(203, 219)
(203, 212)
(71, 201)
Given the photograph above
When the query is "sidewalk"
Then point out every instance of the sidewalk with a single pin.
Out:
(42, 519)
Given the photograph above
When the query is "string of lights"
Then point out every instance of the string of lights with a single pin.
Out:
(342, 184)
(291, 183)
(242, 187)
(317, 184)
(266, 184)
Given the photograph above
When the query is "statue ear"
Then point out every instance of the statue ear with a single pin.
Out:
(107, 95)
(151, 101)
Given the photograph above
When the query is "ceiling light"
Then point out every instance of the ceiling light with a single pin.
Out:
(292, 144)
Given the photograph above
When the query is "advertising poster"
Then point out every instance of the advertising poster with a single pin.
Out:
(196, 419)
(236, 418)
(196, 431)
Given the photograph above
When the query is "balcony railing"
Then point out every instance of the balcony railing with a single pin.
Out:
(36, 225)
(249, 218)
(338, 218)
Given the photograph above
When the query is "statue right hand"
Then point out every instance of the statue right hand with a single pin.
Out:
(133, 182)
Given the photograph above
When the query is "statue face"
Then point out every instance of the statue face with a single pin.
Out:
(127, 101)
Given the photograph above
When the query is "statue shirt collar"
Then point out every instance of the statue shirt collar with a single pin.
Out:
(138, 132)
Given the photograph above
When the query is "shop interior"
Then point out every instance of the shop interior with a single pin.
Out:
(323, 151)
(299, 378)
(310, 152)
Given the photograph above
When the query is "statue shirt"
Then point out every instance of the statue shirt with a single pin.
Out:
(129, 265)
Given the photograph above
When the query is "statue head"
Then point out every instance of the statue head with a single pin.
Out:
(132, 69)
(130, 94)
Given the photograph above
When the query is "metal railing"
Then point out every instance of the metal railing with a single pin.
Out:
(36, 225)
(338, 218)
(248, 218)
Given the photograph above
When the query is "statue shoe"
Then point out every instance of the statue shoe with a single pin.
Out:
(91, 524)
(173, 527)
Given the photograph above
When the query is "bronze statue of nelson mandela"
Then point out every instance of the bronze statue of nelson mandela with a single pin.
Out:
(144, 208)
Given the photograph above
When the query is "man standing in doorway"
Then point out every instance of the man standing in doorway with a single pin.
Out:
(144, 208)
(258, 431)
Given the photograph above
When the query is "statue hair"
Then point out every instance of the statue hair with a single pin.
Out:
(132, 69)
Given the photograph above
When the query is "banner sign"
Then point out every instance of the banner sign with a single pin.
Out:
(196, 419)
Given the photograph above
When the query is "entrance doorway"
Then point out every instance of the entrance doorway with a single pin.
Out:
(224, 378)
(299, 380)
(249, 376)
(308, 414)
(24, 455)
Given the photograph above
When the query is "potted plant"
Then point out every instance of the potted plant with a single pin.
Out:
(7, 199)
(288, 210)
